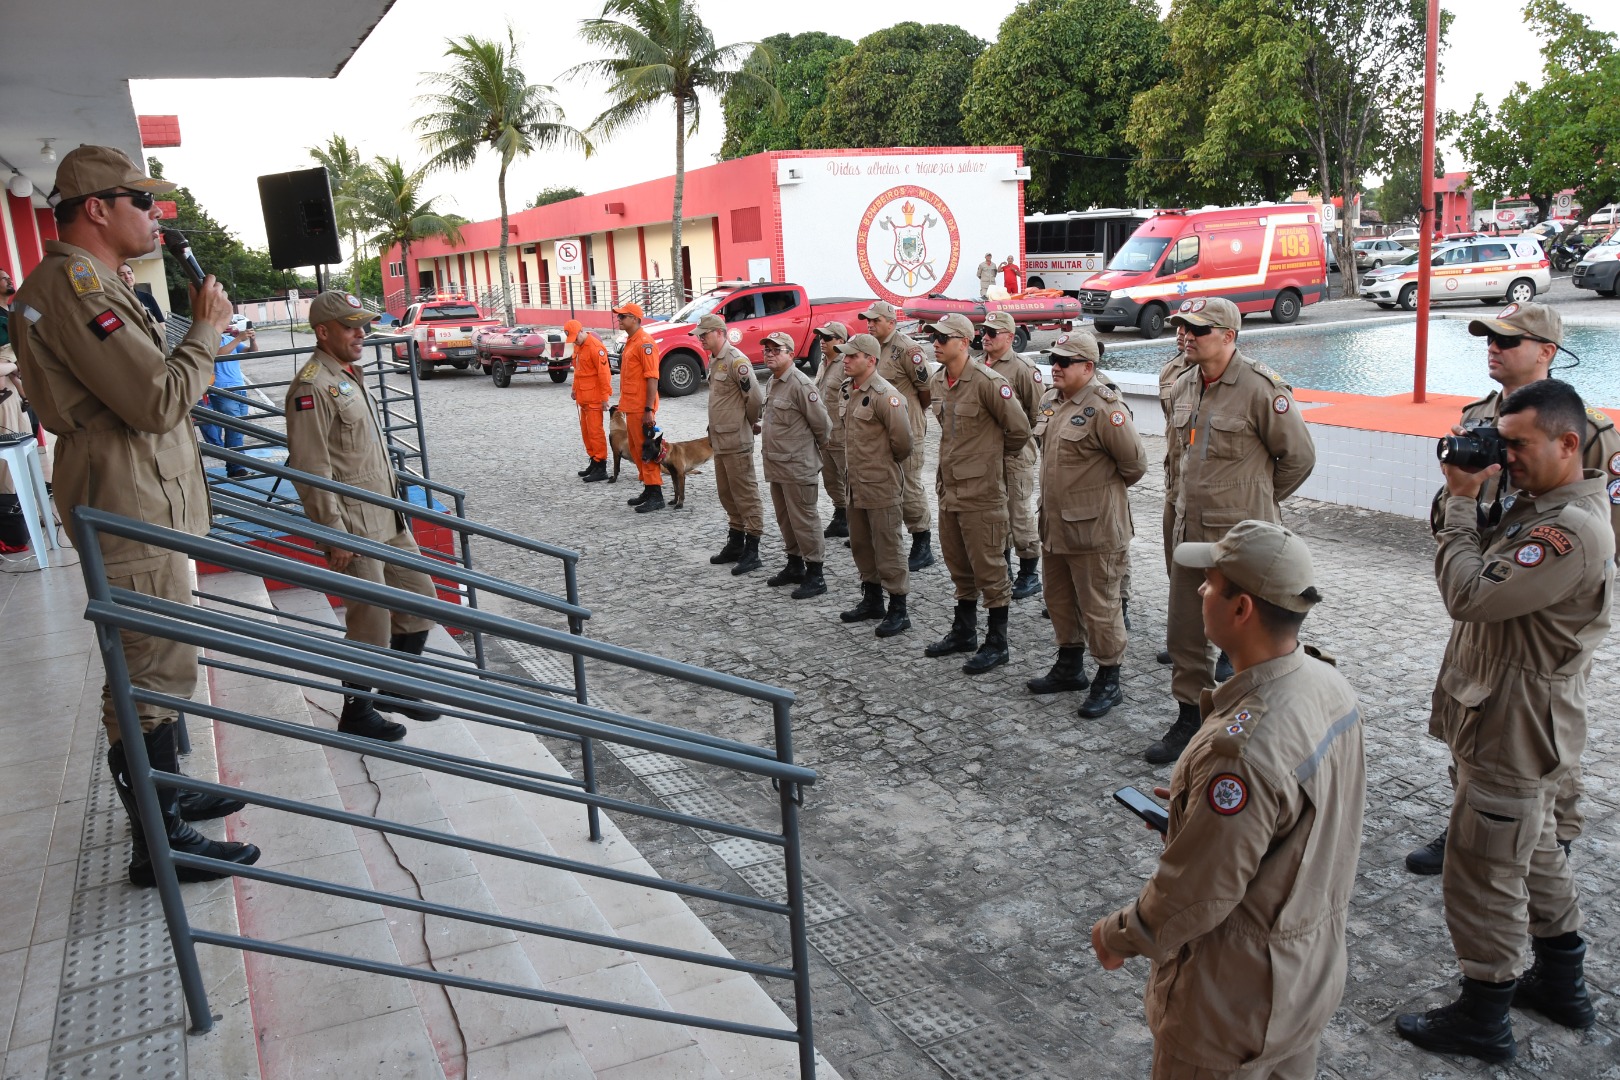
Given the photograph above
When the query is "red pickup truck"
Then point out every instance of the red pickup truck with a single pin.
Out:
(443, 328)
(751, 310)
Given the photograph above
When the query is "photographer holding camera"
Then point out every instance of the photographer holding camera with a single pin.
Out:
(1529, 597)
(1520, 345)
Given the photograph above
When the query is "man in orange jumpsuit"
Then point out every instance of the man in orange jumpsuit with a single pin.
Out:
(593, 387)
(638, 400)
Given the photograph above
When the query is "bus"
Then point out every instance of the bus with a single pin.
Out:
(1062, 250)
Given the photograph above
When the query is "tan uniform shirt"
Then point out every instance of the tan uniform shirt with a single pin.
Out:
(1530, 603)
(1243, 448)
(97, 375)
(1090, 453)
(830, 384)
(735, 401)
(1167, 385)
(332, 431)
(793, 429)
(878, 438)
(901, 364)
(1025, 379)
(1244, 919)
(980, 423)
(1600, 446)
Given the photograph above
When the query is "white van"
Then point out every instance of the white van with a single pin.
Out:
(1487, 269)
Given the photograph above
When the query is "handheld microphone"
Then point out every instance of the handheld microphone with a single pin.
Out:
(180, 248)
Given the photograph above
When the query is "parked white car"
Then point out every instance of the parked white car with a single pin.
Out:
(1490, 270)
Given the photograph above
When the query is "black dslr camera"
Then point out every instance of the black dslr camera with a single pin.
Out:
(1481, 448)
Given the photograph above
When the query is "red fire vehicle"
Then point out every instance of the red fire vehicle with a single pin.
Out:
(443, 328)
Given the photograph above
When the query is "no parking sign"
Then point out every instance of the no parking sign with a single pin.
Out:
(570, 258)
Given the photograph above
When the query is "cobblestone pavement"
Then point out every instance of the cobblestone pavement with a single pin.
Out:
(968, 826)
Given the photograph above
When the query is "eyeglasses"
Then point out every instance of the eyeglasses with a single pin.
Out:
(1510, 341)
(1200, 331)
(1066, 361)
(140, 200)
(990, 332)
(942, 339)
(768, 349)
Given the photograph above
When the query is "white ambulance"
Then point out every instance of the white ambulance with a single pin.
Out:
(1489, 269)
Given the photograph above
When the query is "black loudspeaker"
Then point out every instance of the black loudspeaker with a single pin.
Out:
(298, 219)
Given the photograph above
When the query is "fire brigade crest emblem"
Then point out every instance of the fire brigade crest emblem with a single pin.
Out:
(907, 243)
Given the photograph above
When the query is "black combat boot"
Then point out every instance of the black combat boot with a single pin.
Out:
(1105, 693)
(993, 653)
(1223, 667)
(733, 549)
(1068, 672)
(1028, 581)
(922, 552)
(597, 471)
(194, 805)
(1429, 859)
(1164, 657)
(1168, 748)
(813, 584)
(750, 556)
(651, 500)
(791, 574)
(160, 750)
(590, 463)
(1555, 985)
(1476, 1024)
(964, 635)
(839, 525)
(411, 645)
(646, 489)
(870, 607)
(896, 620)
(360, 717)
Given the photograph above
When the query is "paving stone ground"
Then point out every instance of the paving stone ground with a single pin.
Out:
(967, 826)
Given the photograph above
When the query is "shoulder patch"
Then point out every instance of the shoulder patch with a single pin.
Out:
(309, 371)
(1006, 391)
(813, 396)
(304, 402)
(1228, 794)
(1614, 463)
(917, 358)
(1554, 538)
(83, 276)
(1279, 404)
(1117, 418)
(1614, 492)
(1600, 419)
(1530, 555)
(894, 402)
(742, 368)
(647, 348)
(1037, 374)
(106, 324)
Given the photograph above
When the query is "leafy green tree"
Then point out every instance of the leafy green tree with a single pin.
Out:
(549, 195)
(901, 86)
(799, 66)
(1059, 80)
(345, 168)
(1401, 196)
(659, 53)
(484, 101)
(245, 273)
(391, 203)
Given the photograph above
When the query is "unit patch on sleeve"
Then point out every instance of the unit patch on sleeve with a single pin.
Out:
(1614, 463)
(1228, 795)
(1530, 555)
(1614, 492)
(304, 402)
(1006, 391)
(105, 324)
(1554, 538)
(1116, 418)
(1279, 404)
(1497, 571)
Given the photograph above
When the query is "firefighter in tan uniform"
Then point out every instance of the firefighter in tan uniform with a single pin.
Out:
(1023, 538)
(334, 431)
(735, 401)
(1521, 344)
(1168, 374)
(980, 424)
(1244, 919)
(1090, 453)
(830, 385)
(1529, 598)
(793, 428)
(902, 365)
(1242, 449)
(98, 376)
(877, 436)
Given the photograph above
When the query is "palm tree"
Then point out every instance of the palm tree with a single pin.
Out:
(484, 100)
(389, 201)
(660, 51)
(345, 168)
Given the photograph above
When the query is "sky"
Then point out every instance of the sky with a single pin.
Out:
(270, 123)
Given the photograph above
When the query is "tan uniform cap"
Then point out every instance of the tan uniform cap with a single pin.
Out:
(1535, 320)
(1213, 311)
(86, 170)
(861, 343)
(1080, 345)
(1260, 558)
(879, 309)
(784, 340)
(1000, 320)
(954, 325)
(834, 329)
(710, 322)
(333, 306)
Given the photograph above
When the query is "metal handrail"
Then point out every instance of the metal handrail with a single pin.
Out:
(113, 610)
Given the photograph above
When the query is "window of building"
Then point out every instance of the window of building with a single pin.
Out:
(745, 225)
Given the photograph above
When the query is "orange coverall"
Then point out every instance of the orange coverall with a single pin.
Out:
(637, 364)
(593, 388)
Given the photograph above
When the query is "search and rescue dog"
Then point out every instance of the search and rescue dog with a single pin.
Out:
(683, 457)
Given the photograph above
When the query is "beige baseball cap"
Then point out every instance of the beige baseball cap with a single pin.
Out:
(710, 322)
(833, 329)
(1081, 346)
(1533, 320)
(1260, 558)
(784, 340)
(333, 306)
(86, 170)
(1000, 320)
(861, 343)
(1211, 311)
(954, 325)
(880, 309)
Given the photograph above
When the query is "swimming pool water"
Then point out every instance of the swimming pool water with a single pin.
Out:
(1377, 360)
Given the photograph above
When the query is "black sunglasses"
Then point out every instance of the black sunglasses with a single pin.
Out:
(991, 331)
(1066, 361)
(942, 339)
(1199, 331)
(140, 200)
(1509, 341)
